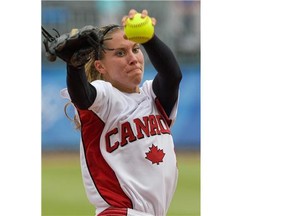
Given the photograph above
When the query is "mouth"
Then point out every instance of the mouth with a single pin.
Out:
(134, 70)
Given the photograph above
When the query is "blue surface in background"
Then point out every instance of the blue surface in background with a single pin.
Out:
(58, 132)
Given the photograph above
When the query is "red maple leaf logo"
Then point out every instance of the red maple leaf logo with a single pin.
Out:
(155, 155)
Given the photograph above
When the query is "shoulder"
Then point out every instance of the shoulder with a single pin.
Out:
(101, 84)
(147, 88)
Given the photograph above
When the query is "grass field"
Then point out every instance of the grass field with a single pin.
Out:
(63, 192)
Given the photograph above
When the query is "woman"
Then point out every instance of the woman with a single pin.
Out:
(127, 151)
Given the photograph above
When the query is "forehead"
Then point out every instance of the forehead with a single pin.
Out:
(118, 40)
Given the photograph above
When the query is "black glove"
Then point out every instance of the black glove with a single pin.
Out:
(74, 48)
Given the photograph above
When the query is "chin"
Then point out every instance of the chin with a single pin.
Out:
(137, 80)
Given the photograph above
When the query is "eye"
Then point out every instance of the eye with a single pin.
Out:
(120, 53)
(136, 49)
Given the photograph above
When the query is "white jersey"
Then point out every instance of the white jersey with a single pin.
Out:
(127, 151)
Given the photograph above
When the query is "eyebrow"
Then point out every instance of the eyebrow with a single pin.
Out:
(124, 46)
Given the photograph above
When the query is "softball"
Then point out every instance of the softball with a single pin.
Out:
(139, 29)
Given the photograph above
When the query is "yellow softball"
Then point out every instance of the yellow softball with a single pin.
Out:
(139, 29)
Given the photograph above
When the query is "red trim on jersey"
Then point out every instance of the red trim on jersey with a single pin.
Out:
(162, 112)
(101, 173)
(114, 212)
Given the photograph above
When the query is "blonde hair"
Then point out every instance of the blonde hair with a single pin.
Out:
(91, 72)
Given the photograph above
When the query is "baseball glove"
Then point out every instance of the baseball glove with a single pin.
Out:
(74, 48)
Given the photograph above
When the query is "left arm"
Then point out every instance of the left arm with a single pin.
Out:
(167, 81)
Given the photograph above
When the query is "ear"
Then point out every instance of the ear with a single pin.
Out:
(99, 66)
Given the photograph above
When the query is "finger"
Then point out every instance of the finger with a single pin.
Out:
(154, 21)
(144, 13)
(131, 13)
(123, 21)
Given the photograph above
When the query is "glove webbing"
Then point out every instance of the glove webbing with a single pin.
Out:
(49, 38)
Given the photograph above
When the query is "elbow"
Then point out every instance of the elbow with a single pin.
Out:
(81, 105)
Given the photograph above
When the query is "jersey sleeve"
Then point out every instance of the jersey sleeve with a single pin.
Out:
(102, 103)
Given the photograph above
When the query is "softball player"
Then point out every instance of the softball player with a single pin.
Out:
(127, 152)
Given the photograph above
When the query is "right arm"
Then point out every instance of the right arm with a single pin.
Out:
(74, 48)
(81, 92)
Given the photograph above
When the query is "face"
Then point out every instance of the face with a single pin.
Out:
(123, 66)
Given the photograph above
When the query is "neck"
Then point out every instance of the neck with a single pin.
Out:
(128, 90)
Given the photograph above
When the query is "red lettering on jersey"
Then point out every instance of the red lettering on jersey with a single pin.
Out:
(151, 125)
(164, 128)
(126, 132)
(142, 127)
(154, 128)
(110, 148)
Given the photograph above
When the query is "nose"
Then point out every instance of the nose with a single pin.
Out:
(132, 58)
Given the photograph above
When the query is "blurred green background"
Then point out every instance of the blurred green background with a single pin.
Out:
(63, 191)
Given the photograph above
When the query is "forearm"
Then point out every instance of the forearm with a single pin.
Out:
(163, 59)
(81, 92)
(166, 83)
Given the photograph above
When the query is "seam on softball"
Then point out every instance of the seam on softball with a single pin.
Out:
(138, 24)
(139, 37)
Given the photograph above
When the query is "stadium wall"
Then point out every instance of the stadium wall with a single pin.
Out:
(58, 133)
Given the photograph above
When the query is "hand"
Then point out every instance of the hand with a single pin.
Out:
(131, 14)
(74, 48)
